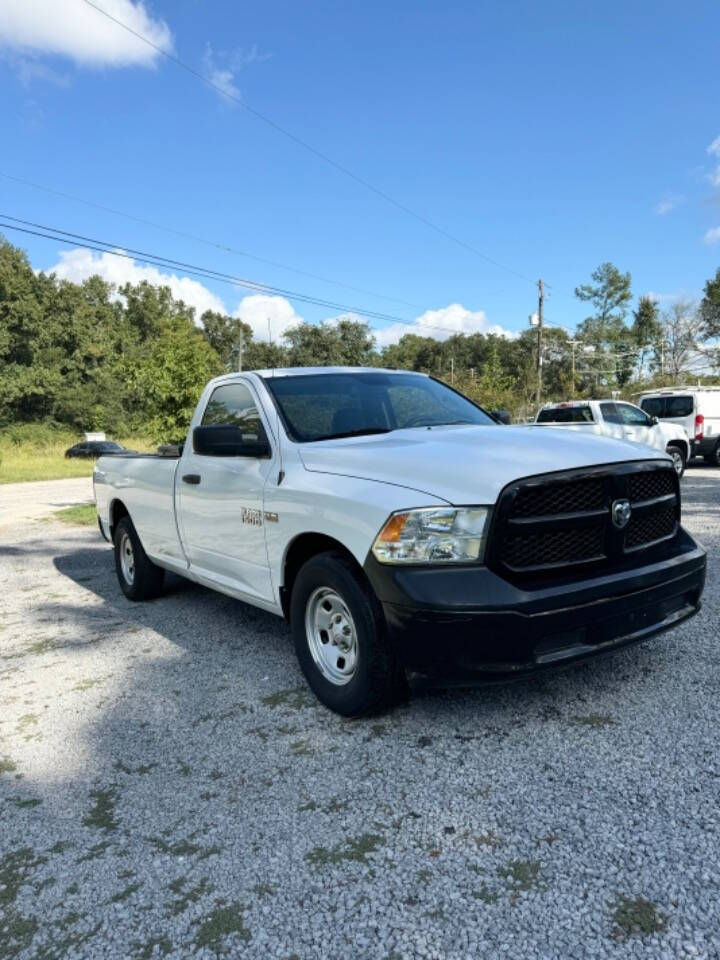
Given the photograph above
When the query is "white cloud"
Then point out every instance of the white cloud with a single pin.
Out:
(714, 151)
(257, 308)
(712, 236)
(441, 324)
(668, 203)
(79, 264)
(71, 28)
(221, 68)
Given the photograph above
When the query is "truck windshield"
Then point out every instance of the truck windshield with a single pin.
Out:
(326, 406)
(565, 415)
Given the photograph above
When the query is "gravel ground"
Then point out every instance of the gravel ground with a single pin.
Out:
(30, 501)
(169, 788)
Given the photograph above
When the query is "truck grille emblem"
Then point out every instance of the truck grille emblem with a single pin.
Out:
(621, 513)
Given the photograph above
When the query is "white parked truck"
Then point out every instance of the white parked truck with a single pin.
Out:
(696, 410)
(403, 531)
(623, 421)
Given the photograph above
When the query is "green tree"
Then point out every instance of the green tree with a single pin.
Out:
(345, 342)
(494, 389)
(645, 330)
(225, 334)
(610, 295)
(710, 308)
(168, 378)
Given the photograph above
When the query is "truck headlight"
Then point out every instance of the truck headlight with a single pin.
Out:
(433, 535)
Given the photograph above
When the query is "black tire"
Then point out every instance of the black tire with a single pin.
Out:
(146, 580)
(675, 452)
(712, 459)
(378, 681)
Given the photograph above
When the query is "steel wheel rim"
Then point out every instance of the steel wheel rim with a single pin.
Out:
(331, 636)
(127, 559)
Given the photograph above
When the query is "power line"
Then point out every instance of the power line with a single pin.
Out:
(210, 243)
(307, 146)
(204, 273)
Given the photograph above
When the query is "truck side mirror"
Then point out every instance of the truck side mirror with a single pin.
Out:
(226, 440)
(653, 421)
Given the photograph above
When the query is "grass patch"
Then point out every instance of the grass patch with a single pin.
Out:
(356, 849)
(183, 848)
(186, 896)
(27, 454)
(521, 874)
(297, 699)
(637, 917)
(102, 812)
(83, 515)
(94, 852)
(225, 921)
(485, 895)
(23, 804)
(125, 894)
(7, 765)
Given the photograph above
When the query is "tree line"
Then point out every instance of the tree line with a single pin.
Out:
(133, 359)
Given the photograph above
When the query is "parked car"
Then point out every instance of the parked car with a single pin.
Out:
(401, 530)
(96, 448)
(696, 409)
(624, 421)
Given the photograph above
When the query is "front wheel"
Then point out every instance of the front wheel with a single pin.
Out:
(340, 638)
(137, 575)
(678, 459)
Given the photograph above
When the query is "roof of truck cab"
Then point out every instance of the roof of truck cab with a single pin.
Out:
(315, 371)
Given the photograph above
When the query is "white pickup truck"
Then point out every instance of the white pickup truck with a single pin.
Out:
(622, 420)
(403, 531)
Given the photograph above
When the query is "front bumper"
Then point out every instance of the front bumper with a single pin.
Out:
(467, 623)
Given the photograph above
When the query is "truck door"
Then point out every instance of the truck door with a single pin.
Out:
(612, 421)
(220, 499)
(636, 425)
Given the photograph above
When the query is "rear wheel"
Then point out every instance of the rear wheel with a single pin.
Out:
(137, 575)
(678, 459)
(713, 458)
(340, 638)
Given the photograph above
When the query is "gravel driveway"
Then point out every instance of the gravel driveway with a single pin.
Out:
(168, 788)
(30, 501)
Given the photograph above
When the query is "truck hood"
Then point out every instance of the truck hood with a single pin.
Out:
(466, 465)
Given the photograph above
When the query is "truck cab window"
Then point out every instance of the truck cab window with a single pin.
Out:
(234, 405)
(610, 413)
(632, 416)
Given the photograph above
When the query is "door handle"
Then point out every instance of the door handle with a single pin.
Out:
(191, 478)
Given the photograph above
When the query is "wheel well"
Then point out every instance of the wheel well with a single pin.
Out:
(301, 549)
(681, 445)
(118, 510)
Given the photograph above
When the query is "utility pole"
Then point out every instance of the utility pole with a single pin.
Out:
(541, 297)
(239, 350)
(452, 370)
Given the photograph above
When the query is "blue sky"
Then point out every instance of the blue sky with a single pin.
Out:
(549, 136)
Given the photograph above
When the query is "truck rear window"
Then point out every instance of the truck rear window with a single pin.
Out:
(663, 407)
(565, 415)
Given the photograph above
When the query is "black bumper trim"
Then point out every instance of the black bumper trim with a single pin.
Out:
(478, 627)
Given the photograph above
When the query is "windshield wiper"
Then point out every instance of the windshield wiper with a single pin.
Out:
(442, 423)
(366, 431)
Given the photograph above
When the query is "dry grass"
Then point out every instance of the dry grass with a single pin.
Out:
(43, 457)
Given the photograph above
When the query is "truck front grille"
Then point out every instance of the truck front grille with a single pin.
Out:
(565, 520)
